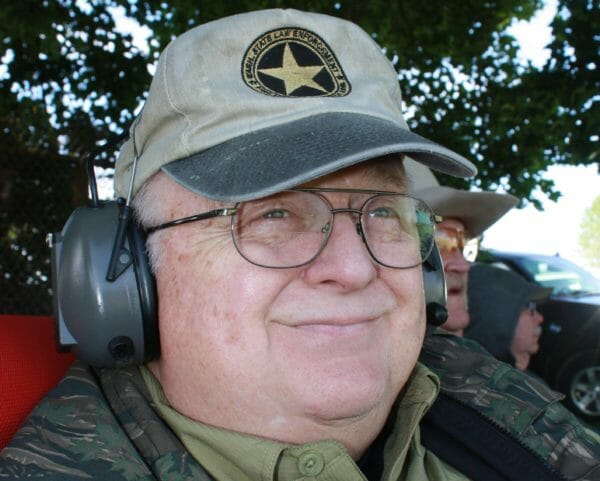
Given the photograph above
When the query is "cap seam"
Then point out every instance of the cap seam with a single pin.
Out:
(171, 100)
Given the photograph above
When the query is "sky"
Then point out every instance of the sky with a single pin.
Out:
(556, 229)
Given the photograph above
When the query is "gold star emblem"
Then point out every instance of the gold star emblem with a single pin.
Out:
(293, 75)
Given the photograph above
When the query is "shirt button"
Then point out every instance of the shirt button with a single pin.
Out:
(310, 463)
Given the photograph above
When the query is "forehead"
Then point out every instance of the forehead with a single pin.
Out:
(385, 173)
(452, 223)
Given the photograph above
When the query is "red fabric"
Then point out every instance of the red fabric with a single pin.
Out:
(29, 367)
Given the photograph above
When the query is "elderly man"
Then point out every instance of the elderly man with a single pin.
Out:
(266, 169)
(466, 216)
(511, 330)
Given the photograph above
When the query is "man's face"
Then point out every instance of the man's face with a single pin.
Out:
(456, 269)
(527, 334)
(296, 354)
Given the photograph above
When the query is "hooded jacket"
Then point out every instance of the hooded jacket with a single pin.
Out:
(497, 296)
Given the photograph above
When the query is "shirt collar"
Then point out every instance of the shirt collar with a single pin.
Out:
(232, 455)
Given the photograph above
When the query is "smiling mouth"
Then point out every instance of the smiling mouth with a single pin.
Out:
(334, 327)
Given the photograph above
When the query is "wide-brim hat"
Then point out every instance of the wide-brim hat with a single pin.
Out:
(255, 103)
(476, 210)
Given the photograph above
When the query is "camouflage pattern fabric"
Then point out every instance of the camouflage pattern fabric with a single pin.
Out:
(107, 431)
(101, 425)
(519, 404)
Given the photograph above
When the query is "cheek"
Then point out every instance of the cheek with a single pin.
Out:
(410, 318)
(199, 306)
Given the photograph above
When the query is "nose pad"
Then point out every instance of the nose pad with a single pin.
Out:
(326, 228)
(359, 231)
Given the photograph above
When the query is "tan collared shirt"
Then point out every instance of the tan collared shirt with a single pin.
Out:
(229, 455)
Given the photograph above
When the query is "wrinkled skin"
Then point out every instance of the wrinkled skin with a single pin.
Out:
(297, 355)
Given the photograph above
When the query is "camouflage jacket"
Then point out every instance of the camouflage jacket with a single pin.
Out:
(101, 424)
(520, 407)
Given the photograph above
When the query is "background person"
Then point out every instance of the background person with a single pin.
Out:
(466, 215)
(504, 315)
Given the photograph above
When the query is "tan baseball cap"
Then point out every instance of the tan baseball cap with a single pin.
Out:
(252, 104)
(476, 210)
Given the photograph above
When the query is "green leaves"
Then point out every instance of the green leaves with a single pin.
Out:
(69, 79)
(589, 237)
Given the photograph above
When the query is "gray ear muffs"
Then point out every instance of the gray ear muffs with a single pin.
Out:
(105, 322)
(105, 302)
(435, 288)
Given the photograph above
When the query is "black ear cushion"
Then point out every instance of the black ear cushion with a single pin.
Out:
(435, 288)
(146, 284)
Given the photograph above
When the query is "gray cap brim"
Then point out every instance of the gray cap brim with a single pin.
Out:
(267, 161)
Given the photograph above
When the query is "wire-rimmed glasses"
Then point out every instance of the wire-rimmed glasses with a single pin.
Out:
(291, 228)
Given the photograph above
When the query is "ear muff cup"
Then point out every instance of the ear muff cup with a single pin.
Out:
(435, 288)
(104, 323)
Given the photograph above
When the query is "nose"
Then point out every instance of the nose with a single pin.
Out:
(345, 260)
(454, 261)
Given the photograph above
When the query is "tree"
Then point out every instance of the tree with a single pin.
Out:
(69, 80)
(589, 237)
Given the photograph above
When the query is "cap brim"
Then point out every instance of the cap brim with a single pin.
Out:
(269, 160)
(476, 210)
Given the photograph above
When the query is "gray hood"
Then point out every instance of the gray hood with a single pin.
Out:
(497, 297)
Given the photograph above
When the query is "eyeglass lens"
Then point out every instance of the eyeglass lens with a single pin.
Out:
(449, 239)
(291, 228)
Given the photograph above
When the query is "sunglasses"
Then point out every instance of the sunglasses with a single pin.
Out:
(449, 239)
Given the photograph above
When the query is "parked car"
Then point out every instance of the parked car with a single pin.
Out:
(569, 355)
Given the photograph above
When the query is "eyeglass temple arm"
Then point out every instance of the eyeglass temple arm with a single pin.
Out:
(228, 211)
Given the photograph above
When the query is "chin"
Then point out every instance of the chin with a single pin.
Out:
(348, 405)
(350, 393)
(458, 317)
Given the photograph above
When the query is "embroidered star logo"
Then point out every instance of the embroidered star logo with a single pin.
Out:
(293, 75)
(293, 62)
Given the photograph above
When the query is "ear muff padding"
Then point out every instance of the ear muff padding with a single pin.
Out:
(147, 291)
(435, 288)
(105, 323)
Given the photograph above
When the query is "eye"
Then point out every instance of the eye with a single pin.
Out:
(385, 212)
(275, 214)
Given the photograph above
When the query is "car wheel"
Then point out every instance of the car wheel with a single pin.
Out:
(580, 382)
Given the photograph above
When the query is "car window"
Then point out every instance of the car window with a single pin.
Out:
(563, 276)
